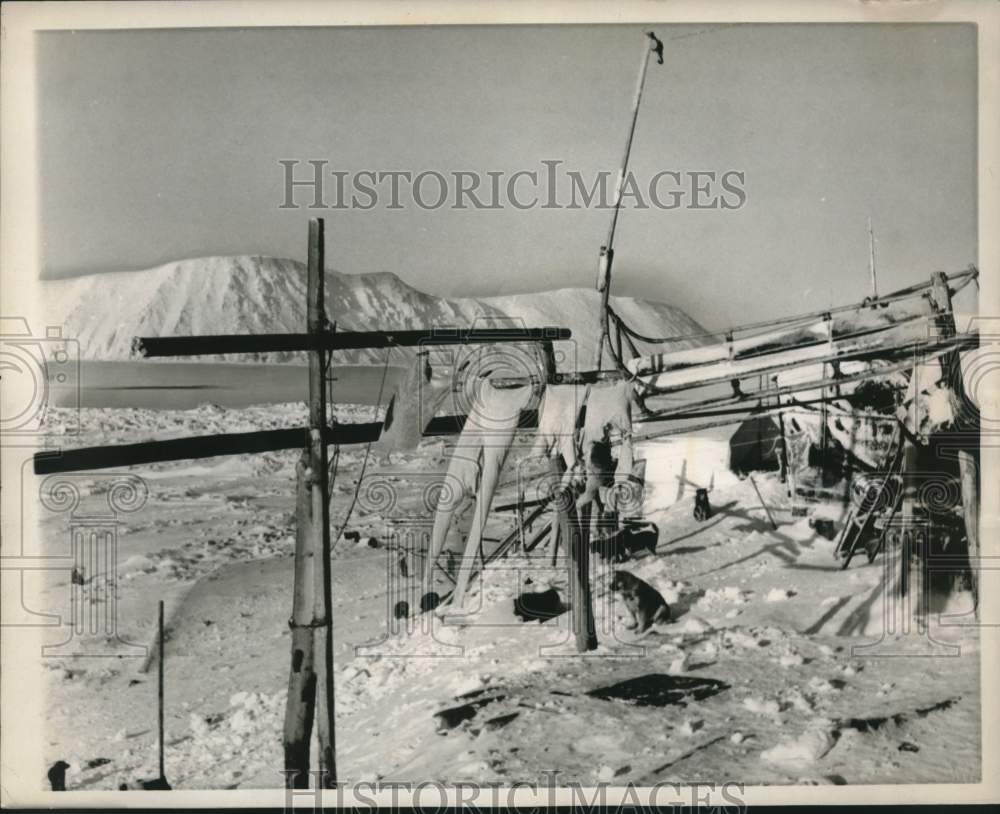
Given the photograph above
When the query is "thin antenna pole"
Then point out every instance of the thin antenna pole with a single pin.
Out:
(607, 251)
(657, 46)
(871, 258)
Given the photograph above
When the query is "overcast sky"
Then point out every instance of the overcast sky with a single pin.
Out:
(161, 145)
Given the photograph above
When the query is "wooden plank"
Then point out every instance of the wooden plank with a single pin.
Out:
(951, 370)
(871, 346)
(84, 459)
(816, 332)
(969, 474)
(453, 424)
(895, 337)
(213, 344)
(194, 447)
(693, 409)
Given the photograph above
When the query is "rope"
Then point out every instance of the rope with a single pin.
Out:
(364, 463)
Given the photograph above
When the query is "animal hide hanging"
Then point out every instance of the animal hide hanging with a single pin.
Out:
(557, 419)
(410, 409)
(478, 457)
(608, 418)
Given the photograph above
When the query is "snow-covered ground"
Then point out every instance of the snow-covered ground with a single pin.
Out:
(774, 669)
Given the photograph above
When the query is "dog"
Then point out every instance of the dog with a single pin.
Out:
(702, 508)
(57, 775)
(646, 605)
(624, 544)
(641, 535)
(538, 606)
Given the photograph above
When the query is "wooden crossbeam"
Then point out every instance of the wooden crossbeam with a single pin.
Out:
(174, 449)
(84, 459)
(925, 353)
(876, 345)
(199, 446)
(214, 344)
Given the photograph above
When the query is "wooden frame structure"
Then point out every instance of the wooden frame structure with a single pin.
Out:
(311, 680)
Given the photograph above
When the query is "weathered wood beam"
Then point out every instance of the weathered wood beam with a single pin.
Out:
(318, 520)
(300, 703)
(453, 424)
(574, 529)
(968, 456)
(690, 409)
(867, 348)
(825, 330)
(238, 443)
(216, 344)
(194, 447)
(198, 446)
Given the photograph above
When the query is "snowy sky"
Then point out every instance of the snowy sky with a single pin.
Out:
(161, 145)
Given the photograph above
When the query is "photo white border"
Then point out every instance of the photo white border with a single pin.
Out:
(20, 734)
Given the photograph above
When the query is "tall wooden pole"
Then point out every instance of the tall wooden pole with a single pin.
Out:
(300, 706)
(319, 528)
(968, 454)
(608, 249)
(871, 259)
(574, 528)
(160, 698)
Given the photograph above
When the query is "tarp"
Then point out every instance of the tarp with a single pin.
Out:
(756, 445)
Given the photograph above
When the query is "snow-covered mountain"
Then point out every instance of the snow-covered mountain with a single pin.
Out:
(253, 294)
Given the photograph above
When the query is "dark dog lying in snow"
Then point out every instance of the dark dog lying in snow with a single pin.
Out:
(624, 544)
(539, 605)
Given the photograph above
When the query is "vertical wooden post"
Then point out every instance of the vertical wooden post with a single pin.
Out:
(574, 528)
(520, 521)
(969, 472)
(548, 362)
(907, 607)
(951, 369)
(828, 318)
(604, 286)
(786, 475)
(557, 466)
(160, 699)
(871, 258)
(301, 702)
(320, 526)
(760, 497)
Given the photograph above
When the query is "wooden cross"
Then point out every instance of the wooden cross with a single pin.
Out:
(311, 680)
